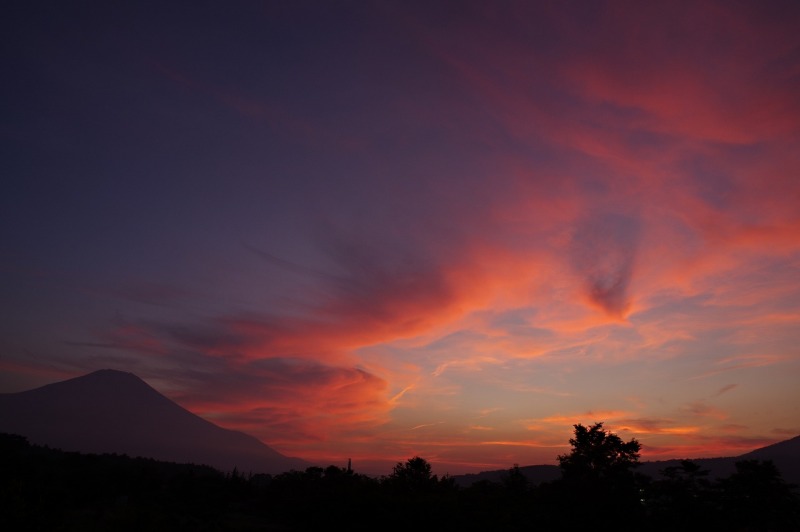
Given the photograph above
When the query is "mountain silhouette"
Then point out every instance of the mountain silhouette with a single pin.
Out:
(111, 411)
(785, 455)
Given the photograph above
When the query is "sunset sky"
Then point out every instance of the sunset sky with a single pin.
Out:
(381, 229)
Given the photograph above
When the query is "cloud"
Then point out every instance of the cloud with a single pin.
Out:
(603, 251)
(589, 417)
(289, 401)
(792, 432)
(683, 83)
(655, 426)
(740, 362)
(725, 389)
(702, 409)
(705, 446)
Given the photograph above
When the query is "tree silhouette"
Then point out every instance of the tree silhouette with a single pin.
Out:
(598, 454)
(414, 475)
(682, 498)
(598, 478)
(756, 497)
(515, 481)
(422, 496)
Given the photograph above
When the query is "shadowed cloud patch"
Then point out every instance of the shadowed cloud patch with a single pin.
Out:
(603, 251)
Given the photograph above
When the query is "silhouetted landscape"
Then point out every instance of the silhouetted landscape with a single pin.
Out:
(109, 411)
(48, 489)
(107, 452)
(785, 455)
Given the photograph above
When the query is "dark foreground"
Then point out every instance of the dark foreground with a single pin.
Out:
(50, 490)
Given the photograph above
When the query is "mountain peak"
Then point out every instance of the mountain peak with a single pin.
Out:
(113, 377)
(111, 373)
(103, 389)
(112, 411)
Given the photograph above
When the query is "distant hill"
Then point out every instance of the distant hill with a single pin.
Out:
(785, 455)
(111, 411)
(536, 474)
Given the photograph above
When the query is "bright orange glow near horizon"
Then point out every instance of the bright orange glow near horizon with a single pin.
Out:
(451, 230)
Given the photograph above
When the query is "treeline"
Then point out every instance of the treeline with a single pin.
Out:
(50, 490)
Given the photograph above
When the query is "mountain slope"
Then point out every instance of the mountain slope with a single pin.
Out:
(110, 411)
(785, 455)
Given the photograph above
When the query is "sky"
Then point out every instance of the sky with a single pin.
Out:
(374, 230)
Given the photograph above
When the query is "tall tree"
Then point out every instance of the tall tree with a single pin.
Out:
(598, 454)
(414, 475)
(598, 479)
